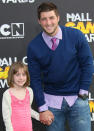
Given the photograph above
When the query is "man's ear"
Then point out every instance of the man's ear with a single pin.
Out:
(39, 21)
(58, 18)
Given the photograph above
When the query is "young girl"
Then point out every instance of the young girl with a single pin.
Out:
(17, 100)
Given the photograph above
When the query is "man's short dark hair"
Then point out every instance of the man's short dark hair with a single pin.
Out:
(45, 7)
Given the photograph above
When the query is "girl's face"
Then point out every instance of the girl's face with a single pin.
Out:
(20, 78)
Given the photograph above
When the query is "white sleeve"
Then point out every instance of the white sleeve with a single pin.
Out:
(34, 114)
(6, 111)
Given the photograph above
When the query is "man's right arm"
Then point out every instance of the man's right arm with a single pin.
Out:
(35, 77)
(46, 117)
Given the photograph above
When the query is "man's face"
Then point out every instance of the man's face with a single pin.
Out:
(49, 22)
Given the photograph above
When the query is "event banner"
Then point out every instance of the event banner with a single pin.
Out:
(19, 25)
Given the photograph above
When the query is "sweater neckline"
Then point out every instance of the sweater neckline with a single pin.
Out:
(60, 42)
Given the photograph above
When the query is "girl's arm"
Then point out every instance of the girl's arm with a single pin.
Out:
(34, 114)
(6, 111)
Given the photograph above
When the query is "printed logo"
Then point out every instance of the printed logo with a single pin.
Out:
(83, 22)
(91, 104)
(12, 31)
(16, 1)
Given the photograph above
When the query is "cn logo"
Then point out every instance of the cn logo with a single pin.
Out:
(13, 30)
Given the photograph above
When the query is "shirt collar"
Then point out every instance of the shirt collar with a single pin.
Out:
(58, 35)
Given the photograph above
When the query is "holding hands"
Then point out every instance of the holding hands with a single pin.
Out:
(46, 117)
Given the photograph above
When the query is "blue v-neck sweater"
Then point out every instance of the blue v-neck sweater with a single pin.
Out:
(62, 72)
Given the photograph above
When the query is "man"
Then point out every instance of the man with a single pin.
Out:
(60, 66)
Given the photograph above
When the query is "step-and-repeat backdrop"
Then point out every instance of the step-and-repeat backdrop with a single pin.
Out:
(18, 26)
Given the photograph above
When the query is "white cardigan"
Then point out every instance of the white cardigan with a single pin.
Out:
(6, 109)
